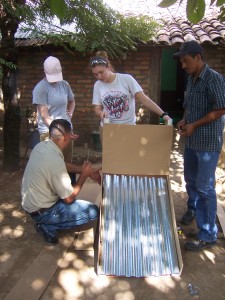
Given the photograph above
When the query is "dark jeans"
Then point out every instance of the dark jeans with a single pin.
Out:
(64, 216)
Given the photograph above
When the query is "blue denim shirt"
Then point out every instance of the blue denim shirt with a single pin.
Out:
(206, 94)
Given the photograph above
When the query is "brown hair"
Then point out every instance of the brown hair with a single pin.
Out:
(101, 58)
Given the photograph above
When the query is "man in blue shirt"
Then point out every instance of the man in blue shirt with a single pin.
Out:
(202, 126)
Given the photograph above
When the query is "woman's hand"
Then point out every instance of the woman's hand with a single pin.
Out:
(74, 136)
(167, 118)
(69, 114)
(103, 115)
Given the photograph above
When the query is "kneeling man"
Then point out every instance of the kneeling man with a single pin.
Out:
(47, 194)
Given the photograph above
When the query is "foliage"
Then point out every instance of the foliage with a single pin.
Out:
(81, 25)
(57, 7)
(30, 113)
(8, 64)
(77, 25)
(85, 26)
(195, 9)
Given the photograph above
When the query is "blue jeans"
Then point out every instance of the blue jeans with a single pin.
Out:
(64, 216)
(199, 175)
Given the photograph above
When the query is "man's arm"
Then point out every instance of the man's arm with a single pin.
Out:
(72, 168)
(188, 129)
(181, 123)
(94, 175)
(86, 170)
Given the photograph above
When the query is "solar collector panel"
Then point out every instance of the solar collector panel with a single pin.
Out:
(138, 236)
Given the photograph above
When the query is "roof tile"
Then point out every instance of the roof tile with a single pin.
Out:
(179, 29)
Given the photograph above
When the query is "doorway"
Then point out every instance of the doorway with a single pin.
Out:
(173, 81)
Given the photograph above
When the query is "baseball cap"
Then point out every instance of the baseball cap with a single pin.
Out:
(53, 69)
(187, 48)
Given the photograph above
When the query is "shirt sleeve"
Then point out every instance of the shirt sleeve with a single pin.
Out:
(70, 93)
(96, 100)
(217, 91)
(61, 184)
(40, 94)
(133, 85)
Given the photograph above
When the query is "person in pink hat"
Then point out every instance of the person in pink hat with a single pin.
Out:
(54, 99)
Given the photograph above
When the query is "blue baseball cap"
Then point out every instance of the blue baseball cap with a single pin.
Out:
(188, 48)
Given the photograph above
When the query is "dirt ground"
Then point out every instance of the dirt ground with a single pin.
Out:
(68, 269)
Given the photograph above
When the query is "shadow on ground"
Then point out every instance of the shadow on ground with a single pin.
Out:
(67, 271)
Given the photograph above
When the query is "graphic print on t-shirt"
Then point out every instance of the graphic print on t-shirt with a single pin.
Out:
(116, 104)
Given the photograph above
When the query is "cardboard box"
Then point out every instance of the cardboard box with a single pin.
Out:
(138, 234)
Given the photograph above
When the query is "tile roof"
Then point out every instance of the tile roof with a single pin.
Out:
(175, 28)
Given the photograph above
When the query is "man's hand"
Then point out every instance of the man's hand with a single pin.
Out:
(187, 130)
(95, 175)
(86, 169)
(180, 125)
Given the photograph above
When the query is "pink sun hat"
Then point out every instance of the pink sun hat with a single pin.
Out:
(53, 69)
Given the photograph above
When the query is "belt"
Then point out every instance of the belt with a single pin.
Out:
(38, 212)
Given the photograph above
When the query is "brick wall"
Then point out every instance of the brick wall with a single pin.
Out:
(76, 71)
(144, 65)
(215, 58)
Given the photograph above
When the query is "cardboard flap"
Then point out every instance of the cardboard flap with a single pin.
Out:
(136, 149)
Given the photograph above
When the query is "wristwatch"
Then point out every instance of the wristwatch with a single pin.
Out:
(164, 114)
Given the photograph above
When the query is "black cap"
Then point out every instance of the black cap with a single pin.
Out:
(188, 48)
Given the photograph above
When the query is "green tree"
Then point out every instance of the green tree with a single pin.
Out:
(82, 25)
(8, 26)
(195, 9)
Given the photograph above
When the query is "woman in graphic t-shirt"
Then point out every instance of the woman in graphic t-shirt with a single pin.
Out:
(115, 94)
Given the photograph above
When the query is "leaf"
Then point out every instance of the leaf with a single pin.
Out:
(195, 10)
(220, 2)
(221, 16)
(166, 3)
(58, 8)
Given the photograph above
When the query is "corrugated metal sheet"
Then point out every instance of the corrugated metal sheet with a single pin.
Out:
(137, 234)
(25, 37)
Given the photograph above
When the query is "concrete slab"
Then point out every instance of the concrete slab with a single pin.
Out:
(35, 279)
